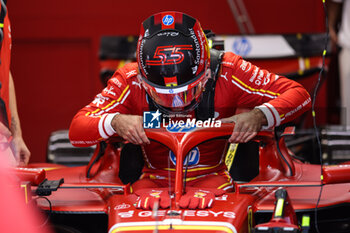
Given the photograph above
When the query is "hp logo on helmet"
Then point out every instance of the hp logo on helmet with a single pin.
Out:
(168, 20)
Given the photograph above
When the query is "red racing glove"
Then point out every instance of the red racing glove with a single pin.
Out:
(148, 197)
(197, 198)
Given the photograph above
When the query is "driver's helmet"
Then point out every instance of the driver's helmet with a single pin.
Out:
(173, 58)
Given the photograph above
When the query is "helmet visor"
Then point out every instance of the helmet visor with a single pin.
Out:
(176, 96)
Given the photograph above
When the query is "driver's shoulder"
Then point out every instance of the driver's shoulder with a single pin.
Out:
(128, 71)
(230, 60)
(126, 76)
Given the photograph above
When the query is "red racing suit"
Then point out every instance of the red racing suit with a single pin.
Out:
(240, 84)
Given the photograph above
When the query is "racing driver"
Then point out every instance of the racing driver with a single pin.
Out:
(176, 73)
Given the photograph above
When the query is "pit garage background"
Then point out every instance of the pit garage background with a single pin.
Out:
(57, 63)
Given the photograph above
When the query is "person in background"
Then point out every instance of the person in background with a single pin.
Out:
(10, 127)
(339, 11)
(15, 214)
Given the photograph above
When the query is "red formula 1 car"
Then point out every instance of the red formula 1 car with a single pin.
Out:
(286, 195)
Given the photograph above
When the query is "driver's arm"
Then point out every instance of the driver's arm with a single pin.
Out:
(130, 128)
(109, 114)
(274, 99)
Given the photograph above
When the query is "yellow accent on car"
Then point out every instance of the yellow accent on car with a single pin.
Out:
(279, 207)
(24, 186)
(230, 155)
(305, 222)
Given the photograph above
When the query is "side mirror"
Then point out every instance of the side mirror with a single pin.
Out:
(334, 174)
(33, 175)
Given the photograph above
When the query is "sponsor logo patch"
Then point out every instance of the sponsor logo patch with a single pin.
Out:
(122, 206)
(191, 159)
(168, 20)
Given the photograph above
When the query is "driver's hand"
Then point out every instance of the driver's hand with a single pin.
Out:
(199, 198)
(247, 125)
(130, 128)
(148, 198)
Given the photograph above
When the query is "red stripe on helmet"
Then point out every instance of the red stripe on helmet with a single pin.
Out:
(178, 17)
(157, 19)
